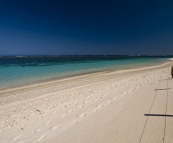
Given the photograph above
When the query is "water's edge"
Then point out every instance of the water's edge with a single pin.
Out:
(83, 74)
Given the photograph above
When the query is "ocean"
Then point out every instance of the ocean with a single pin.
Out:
(17, 71)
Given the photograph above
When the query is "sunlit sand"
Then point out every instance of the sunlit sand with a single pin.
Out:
(130, 106)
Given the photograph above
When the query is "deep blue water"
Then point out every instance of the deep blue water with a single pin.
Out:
(16, 71)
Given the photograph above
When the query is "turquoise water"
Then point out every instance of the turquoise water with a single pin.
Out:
(19, 71)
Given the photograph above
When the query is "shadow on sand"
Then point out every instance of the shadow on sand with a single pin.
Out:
(162, 89)
(164, 115)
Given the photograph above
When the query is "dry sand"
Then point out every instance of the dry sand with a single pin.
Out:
(106, 107)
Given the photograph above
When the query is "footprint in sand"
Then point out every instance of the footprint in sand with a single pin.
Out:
(70, 111)
(36, 130)
(100, 105)
(55, 127)
(114, 99)
(124, 94)
(63, 116)
(138, 86)
(95, 110)
(48, 122)
(82, 115)
(41, 138)
(73, 122)
(17, 137)
(80, 106)
(108, 102)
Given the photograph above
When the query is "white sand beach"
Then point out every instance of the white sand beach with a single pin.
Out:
(130, 106)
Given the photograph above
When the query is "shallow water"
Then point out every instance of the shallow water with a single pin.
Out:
(16, 71)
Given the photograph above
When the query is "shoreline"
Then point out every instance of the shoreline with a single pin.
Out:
(40, 82)
(74, 81)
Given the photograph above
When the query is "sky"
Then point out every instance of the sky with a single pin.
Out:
(86, 27)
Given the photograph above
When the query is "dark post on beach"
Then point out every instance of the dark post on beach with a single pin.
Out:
(172, 71)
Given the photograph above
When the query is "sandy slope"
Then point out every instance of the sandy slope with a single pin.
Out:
(105, 107)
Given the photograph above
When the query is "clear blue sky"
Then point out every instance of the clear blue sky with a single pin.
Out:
(86, 27)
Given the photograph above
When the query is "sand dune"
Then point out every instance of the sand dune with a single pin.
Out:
(104, 107)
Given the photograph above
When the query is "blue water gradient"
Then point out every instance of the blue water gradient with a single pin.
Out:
(15, 71)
